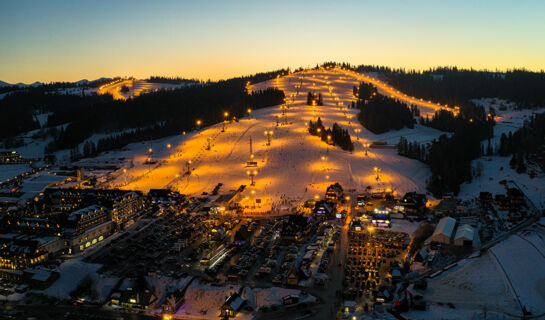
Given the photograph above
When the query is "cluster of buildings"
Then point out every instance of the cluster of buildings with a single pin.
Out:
(448, 231)
(63, 222)
(12, 157)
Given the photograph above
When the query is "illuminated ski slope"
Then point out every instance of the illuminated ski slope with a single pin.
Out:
(137, 87)
(296, 166)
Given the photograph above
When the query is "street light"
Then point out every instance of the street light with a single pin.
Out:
(357, 130)
(377, 171)
(188, 163)
(366, 146)
(168, 146)
(249, 112)
(199, 122)
(225, 115)
(269, 134)
(252, 174)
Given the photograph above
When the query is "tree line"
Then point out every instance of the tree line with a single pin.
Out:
(380, 114)
(160, 114)
(313, 99)
(525, 144)
(339, 136)
(449, 157)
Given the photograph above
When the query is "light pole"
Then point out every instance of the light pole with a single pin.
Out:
(188, 164)
(269, 134)
(198, 122)
(249, 113)
(252, 174)
(150, 158)
(377, 171)
(366, 146)
(347, 198)
(357, 130)
(225, 115)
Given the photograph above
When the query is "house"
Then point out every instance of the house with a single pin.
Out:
(173, 301)
(444, 230)
(39, 278)
(292, 277)
(421, 255)
(464, 235)
(414, 203)
(325, 209)
(12, 157)
(233, 304)
(446, 207)
(334, 192)
(137, 299)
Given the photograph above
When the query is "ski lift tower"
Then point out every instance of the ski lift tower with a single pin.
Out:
(252, 162)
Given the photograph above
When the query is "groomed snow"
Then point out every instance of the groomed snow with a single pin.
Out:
(291, 169)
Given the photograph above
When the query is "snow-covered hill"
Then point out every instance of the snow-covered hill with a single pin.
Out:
(296, 166)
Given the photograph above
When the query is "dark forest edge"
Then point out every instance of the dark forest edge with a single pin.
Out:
(334, 135)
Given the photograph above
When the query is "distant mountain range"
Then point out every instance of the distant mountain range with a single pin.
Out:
(37, 83)
(20, 84)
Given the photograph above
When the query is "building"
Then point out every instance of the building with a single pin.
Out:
(414, 203)
(464, 235)
(380, 217)
(135, 299)
(39, 278)
(233, 304)
(325, 209)
(70, 199)
(444, 230)
(19, 251)
(126, 206)
(12, 157)
(334, 192)
(446, 207)
(86, 227)
(292, 276)
(173, 301)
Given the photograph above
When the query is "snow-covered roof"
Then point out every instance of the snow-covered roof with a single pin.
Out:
(85, 212)
(445, 227)
(465, 231)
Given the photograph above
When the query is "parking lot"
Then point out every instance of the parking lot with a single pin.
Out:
(372, 258)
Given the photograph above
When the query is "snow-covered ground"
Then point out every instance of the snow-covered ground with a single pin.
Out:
(291, 168)
(496, 169)
(509, 272)
(508, 118)
(9, 171)
(203, 301)
(71, 273)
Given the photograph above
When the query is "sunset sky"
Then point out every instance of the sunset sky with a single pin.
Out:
(72, 40)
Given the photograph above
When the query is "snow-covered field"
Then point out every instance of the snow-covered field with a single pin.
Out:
(296, 166)
(509, 272)
(9, 171)
(496, 169)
